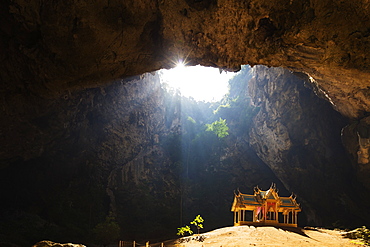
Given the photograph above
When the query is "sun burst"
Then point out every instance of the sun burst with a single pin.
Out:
(198, 82)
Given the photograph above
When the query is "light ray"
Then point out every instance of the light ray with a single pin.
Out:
(198, 82)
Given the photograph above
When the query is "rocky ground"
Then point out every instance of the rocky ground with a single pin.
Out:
(267, 236)
(241, 236)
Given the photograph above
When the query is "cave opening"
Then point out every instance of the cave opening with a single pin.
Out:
(198, 82)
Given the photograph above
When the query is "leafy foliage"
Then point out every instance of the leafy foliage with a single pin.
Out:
(198, 222)
(184, 229)
(219, 127)
(363, 233)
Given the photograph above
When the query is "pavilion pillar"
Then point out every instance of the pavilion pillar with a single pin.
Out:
(295, 217)
(265, 212)
(292, 220)
(286, 218)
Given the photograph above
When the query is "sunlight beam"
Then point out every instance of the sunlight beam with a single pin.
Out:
(201, 83)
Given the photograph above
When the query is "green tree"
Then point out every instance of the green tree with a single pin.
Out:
(107, 232)
(198, 222)
(184, 229)
(219, 127)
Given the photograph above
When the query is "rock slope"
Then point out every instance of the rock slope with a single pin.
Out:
(48, 48)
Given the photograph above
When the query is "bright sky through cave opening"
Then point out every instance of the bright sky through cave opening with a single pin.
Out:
(198, 82)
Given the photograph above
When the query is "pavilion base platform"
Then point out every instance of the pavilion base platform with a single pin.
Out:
(275, 224)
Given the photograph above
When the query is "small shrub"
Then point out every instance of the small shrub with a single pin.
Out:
(184, 229)
(364, 234)
(361, 233)
(198, 222)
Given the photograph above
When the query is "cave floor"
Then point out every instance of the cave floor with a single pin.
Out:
(240, 236)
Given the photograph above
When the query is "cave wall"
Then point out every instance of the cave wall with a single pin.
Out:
(66, 125)
(355, 137)
(51, 49)
(101, 150)
(106, 149)
(298, 135)
(59, 157)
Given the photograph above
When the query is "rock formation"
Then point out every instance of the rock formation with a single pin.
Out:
(52, 244)
(48, 48)
(298, 135)
(109, 149)
(81, 129)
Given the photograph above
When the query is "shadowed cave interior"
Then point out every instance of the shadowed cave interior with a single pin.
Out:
(87, 134)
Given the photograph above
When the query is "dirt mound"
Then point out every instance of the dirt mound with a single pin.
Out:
(240, 236)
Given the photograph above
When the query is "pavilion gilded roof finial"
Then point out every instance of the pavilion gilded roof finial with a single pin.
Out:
(265, 208)
(256, 189)
(273, 186)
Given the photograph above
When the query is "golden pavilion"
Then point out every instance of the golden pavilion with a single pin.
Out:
(265, 208)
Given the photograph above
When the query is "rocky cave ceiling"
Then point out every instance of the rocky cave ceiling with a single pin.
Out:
(70, 122)
(48, 48)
